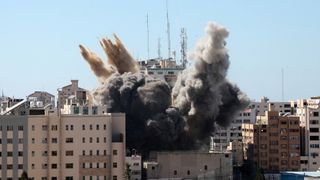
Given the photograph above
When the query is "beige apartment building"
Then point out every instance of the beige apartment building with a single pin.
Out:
(276, 142)
(70, 146)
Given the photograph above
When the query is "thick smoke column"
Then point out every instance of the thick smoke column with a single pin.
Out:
(158, 118)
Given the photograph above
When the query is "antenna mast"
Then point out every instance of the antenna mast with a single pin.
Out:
(183, 42)
(282, 83)
(159, 48)
(148, 46)
(168, 32)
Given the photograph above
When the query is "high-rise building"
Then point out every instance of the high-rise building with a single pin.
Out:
(308, 110)
(73, 93)
(276, 141)
(48, 145)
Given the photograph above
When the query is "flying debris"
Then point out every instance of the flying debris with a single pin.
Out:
(161, 118)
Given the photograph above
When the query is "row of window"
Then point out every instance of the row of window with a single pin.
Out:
(11, 128)
(10, 141)
(10, 153)
(10, 166)
(69, 153)
(68, 127)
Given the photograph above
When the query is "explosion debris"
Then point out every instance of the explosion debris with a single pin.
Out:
(159, 118)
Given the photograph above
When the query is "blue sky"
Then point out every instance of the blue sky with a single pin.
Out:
(39, 40)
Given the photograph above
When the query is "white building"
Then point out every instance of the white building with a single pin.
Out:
(308, 111)
(134, 165)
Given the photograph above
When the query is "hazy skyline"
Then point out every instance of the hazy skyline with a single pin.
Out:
(39, 41)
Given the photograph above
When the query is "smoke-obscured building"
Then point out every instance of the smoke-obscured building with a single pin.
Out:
(190, 165)
(48, 145)
(164, 69)
(277, 142)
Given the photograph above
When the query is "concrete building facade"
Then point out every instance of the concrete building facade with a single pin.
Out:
(190, 165)
(277, 142)
(52, 146)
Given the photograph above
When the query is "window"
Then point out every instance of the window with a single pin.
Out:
(20, 128)
(114, 165)
(9, 166)
(188, 172)
(54, 153)
(83, 127)
(32, 166)
(44, 127)
(83, 140)
(54, 127)
(175, 172)
(90, 152)
(98, 165)
(9, 153)
(98, 152)
(69, 178)
(97, 126)
(69, 153)
(94, 110)
(314, 129)
(9, 140)
(90, 139)
(44, 166)
(69, 140)
(32, 127)
(205, 167)
(315, 114)
(314, 137)
(115, 152)
(67, 127)
(97, 140)
(45, 153)
(43, 178)
(20, 166)
(314, 145)
(104, 165)
(85, 110)
(83, 165)
(20, 140)
(20, 153)
(44, 140)
(69, 165)
(104, 152)
(104, 139)
(115, 178)
(90, 127)
(71, 127)
(90, 165)
(54, 166)
(54, 140)
(32, 153)
(104, 127)
(76, 110)
(170, 72)
(9, 128)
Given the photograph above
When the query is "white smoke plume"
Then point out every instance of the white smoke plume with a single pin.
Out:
(158, 118)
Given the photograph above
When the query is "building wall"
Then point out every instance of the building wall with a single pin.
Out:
(194, 165)
(64, 147)
(277, 143)
(13, 146)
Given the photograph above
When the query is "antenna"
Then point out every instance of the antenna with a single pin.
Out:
(183, 50)
(168, 32)
(148, 46)
(282, 83)
(159, 48)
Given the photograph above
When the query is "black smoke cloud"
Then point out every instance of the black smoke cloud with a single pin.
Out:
(158, 118)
